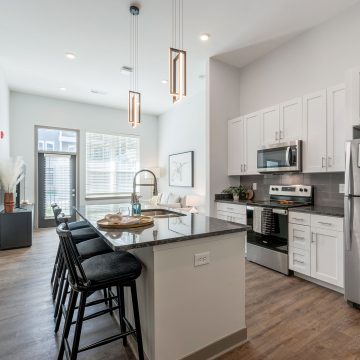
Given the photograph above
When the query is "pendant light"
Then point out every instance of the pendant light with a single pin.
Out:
(134, 100)
(177, 54)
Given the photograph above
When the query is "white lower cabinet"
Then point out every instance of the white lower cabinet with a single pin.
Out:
(299, 260)
(327, 256)
(317, 250)
(232, 212)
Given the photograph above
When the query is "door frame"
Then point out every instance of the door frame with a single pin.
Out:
(77, 166)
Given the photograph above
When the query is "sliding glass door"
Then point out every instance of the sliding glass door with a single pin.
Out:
(56, 175)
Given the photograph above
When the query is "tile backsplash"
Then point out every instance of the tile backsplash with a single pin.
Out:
(326, 185)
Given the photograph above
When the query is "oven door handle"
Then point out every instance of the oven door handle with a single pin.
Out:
(279, 211)
(288, 156)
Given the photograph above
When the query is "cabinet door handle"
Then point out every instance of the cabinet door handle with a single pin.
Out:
(322, 162)
(299, 219)
(299, 261)
(329, 161)
(299, 237)
(325, 223)
(313, 237)
(244, 167)
(281, 134)
(241, 168)
(276, 135)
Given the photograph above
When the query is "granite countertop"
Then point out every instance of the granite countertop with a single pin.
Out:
(163, 231)
(321, 210)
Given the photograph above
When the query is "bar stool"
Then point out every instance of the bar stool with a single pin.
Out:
(72, 226)
(116, 269)
(78, 235)
(86, 250)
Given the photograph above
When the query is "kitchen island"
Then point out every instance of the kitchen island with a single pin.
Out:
(187, 310)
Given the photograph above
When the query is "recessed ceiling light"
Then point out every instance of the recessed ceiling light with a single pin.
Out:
(126, 70)
(70, 56)
(63, 89)
(164, 81)
(204, 37)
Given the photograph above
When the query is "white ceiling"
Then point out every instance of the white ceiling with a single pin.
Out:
(35, 35)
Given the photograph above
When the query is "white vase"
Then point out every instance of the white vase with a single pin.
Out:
(236, 197)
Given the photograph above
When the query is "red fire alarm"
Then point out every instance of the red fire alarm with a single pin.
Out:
(2, 134)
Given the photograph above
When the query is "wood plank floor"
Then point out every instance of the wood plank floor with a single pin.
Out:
(287, 318)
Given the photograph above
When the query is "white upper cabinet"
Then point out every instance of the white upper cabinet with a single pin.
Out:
(314, 127)
(252, 142)
(291, 120)
(235, 146)
(338, 128)
(269, 122)
(353, 95)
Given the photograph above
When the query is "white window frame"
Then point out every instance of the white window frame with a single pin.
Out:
(122, 195)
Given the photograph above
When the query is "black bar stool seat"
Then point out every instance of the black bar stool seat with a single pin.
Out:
(75, 225)
(80, 235)
(92, 247)
(105, 268)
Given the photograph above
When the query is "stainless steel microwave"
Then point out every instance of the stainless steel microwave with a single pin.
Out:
(280, 157)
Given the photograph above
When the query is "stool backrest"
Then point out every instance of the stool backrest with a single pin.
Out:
(57, 211)
(72, 257)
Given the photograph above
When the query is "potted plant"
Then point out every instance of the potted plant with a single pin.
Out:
(236, 191)
(11, 173)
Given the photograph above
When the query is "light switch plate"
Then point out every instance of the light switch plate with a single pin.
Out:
(202, 258)
(254, 186)
(341, 188)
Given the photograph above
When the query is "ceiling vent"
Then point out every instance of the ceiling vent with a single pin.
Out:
(126, 70)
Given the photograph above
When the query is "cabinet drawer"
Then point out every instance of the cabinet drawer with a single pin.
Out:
(224, 215)
(327, 222)
(299, 260)
(299, 218)
(232, 208)
(299, 236)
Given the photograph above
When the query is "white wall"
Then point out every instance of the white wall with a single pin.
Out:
(183, 129)
(26, 111)
(4, 117)
(310, 62)
(223, 94)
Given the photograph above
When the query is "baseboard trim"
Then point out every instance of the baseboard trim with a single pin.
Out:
(219, 347)
(320, 283)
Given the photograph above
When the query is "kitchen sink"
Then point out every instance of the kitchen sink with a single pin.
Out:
(161, 213)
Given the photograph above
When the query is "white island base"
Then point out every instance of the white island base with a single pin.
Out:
(190, 312)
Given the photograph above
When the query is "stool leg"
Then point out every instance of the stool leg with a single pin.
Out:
(68, 321)
(60, 291)
(79, 322)
(120, 296)
(60, 312)
(110, 300)
(55, 264)
(105, 296)
(57, 277)
(137, 320)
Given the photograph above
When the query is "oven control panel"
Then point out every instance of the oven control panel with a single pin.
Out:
(291, 190)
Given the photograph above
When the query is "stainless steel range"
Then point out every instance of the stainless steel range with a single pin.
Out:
(267, 243)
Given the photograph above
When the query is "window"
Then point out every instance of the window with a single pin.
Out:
(50, 139)
(111, 163)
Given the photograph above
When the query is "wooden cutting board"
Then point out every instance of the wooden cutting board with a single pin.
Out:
(126, 222)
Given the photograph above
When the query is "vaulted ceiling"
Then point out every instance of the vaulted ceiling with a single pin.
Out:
(36, 34)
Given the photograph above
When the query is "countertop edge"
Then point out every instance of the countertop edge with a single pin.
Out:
(242, 228)
(330, 211)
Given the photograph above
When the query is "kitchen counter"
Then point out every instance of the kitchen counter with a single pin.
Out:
(164, 230)
(320, 210)
(193, 276)
(240, 202)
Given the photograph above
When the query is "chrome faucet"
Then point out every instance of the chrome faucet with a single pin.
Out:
(155, 191)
